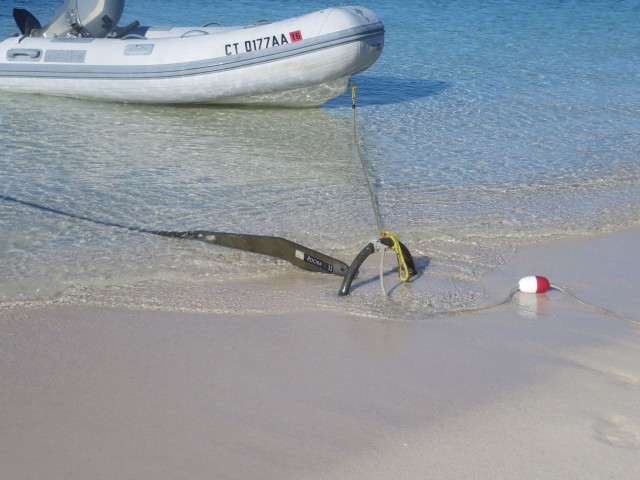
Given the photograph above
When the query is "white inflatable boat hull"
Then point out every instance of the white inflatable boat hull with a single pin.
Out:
(301, 61)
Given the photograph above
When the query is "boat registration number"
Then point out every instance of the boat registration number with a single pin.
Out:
(263, 42)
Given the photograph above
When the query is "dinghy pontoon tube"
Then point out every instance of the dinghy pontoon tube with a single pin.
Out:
(81, 52)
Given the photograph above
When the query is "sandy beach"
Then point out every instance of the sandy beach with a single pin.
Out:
(541, 388)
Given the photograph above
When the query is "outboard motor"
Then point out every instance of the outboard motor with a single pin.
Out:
(83, 18)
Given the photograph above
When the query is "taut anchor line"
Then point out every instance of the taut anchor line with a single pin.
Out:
(294, 253)
(406, 267)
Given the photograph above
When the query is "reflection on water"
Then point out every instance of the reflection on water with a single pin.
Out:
(532, 305)
(242, 169)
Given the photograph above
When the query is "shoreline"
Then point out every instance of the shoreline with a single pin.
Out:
(539, 388)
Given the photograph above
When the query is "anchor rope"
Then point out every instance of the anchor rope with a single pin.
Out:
(358, 152)
(403, 269)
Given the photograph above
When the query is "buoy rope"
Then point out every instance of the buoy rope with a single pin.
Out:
(595, 308)
(481, 308)
(382, 287)
(560, 289)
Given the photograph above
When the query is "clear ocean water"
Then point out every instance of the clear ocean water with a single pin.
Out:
(483, 126)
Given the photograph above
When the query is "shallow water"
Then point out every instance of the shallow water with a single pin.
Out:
(481, 128)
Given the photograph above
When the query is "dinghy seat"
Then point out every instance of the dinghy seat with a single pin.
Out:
(81, 18)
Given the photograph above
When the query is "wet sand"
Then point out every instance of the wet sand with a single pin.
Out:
(541, 388)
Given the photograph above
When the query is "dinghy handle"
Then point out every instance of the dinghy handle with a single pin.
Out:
(24, 54)
(192, 33)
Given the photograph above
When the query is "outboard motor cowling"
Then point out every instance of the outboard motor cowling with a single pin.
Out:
(83, 18)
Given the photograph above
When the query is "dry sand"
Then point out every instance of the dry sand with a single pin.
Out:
(538, 389)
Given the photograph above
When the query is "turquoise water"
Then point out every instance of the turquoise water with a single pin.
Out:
(483, 126)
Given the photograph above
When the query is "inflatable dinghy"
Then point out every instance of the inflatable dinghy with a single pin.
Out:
(83, 53)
